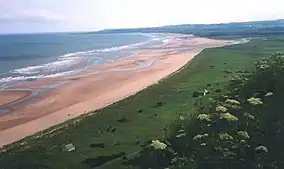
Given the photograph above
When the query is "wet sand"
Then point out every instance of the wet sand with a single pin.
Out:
(10, 96)
(56, 100)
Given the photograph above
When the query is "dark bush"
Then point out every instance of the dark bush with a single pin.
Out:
(97, 145)
(96, 162)
(197, 94)
(159, 104)
(140, 111)
(123, 120)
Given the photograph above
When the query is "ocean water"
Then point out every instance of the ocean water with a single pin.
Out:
(33, 56)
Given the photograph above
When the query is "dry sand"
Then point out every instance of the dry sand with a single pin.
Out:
(86, 91)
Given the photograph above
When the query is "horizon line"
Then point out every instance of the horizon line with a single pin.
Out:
(129, 28)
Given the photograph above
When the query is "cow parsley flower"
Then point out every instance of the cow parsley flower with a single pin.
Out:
(225, 136)
(200, 136)
(156, 144)
(204, 117)
(261, 149)
(229, 117)
(268, 94)
(244, 134)
(221, 109)
(254, 101)
(234, 102)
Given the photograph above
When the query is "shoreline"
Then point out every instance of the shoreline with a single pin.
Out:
(95, 90)
(34, 92)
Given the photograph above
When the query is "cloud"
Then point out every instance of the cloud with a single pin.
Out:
(33, 16)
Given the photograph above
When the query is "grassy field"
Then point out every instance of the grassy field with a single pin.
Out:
(128, 124)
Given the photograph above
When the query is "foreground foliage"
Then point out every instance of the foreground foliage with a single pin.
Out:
(242, 128)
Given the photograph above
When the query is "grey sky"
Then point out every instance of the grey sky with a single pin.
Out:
(18, 16)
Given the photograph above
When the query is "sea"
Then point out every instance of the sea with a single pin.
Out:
(25, 57)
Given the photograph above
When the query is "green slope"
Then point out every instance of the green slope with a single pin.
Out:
(126, 125)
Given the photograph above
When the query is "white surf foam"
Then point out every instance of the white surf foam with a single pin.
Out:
(48, 67)
(118, 48)
(63, 61)
(166, 41)
(51, 69)
(23, 78)
(18, 78)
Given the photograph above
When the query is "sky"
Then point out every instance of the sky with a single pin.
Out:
(33, 16)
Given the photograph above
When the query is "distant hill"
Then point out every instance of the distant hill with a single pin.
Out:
(254, 28)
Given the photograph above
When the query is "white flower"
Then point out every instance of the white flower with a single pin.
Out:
(200, 136)
(204, 117)
(263, 66)
(254, 101)
(268, 94)
(243, 134)
(234, 102)
(221, 109)
(261, 149)
(225, 136)
(156, 144)
(180, 135)
(229, 117)
(205, 92)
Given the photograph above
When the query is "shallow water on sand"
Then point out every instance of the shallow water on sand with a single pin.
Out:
(32, 56)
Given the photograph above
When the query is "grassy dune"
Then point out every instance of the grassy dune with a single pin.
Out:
(125, 126)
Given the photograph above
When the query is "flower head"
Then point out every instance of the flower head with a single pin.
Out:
(225, 136)
(244, 134)
(221, 109)
(254, 101)
(181, 117)
(229, 117)
(156, 144)
(234, 102)
(200, 136)
(204, 117)
(268, 94)
(261, 149)
(180, 135)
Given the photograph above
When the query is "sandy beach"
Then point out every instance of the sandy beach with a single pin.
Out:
(39, 104)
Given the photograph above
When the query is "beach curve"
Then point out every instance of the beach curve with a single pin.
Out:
(95, 90)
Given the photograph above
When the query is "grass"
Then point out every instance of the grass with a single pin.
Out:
(126, 125)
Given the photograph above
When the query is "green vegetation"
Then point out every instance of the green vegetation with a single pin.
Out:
(120, 136)
(247, 136)
(219, 31)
